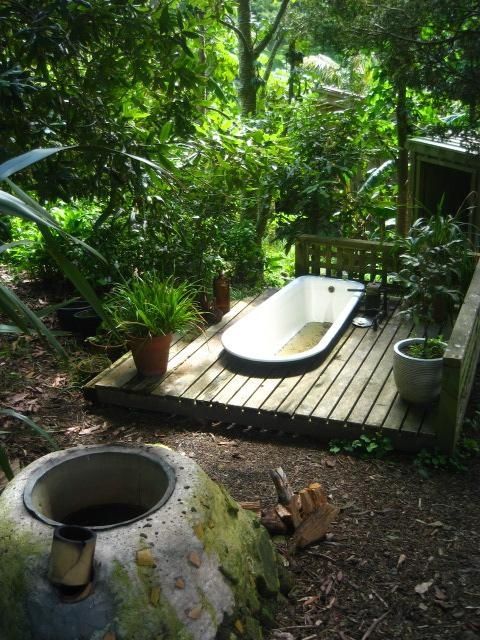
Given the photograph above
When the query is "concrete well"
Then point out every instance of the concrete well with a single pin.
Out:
(175, 558)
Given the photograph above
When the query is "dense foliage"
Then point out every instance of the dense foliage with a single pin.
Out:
(163, 80)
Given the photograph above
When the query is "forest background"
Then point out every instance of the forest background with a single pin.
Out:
(243, 146)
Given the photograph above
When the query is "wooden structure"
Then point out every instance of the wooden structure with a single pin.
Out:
(364, 260)
(349, 391)
(459, 366)
(445, 170)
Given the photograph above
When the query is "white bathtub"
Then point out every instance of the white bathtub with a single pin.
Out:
(261, 334)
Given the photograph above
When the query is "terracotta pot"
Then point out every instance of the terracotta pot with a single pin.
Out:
(151, 354)
(112, 351)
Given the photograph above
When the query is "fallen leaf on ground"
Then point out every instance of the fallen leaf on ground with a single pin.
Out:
(145, 558)
(440, 594)
(423, 587)
(194, 559)
(401, 559)
(195, 613)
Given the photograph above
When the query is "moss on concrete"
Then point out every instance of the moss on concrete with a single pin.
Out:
(246, 555)
(16, 551)
(140, 616)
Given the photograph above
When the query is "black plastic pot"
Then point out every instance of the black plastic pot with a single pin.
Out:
(66, 314)
(86, 322)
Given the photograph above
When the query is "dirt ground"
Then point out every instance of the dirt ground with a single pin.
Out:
(401, 561)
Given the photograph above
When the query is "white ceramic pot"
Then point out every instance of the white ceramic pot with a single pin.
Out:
(418, 380)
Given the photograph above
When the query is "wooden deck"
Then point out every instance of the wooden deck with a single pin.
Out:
(348, 392)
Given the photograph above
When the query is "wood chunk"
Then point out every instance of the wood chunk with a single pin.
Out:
(315, 526)
(317, 494)
(307, 504)
(283, 512)
(294, 508)
(273, 522)
(284, 490)
(253, 505)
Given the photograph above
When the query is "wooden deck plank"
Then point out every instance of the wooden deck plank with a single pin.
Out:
(262, 392)
(386, 335)
(305, 381)
(398, 413)
(371, 391)
(343, 382)
(209, 383)
(208, 376)
(120, 374)
(429, 423)
(383, 403)
(327, 376)
(283, 390)
(414, 419)
(226, 394)
(185, 371)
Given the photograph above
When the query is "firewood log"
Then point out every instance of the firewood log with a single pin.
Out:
(315, 526)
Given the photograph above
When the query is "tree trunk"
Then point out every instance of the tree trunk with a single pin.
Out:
(247, 79)
(403, 218)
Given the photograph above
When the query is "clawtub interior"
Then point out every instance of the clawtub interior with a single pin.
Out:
(265, 330)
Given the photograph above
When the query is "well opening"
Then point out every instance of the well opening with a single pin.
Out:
(99, 488)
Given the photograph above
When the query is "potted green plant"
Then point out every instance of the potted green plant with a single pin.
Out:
(436, 267)
(147, 311)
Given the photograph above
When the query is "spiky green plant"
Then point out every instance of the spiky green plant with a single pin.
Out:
(4, 462)
(149, 306)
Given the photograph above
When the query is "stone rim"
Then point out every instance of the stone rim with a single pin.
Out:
(75, 453)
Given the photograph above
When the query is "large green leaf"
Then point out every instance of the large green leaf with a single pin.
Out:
(17, 243)
(33, 425)
(10, 328)
(18, 163)
(28, 200)
(25, 318)
(72, 272)
(13, 206)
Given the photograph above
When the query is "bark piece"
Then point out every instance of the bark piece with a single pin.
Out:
(307, 504)
(315, 526)
(253, 505)
(284, 490)
(317, 494)
(273, 522)
(294, 508)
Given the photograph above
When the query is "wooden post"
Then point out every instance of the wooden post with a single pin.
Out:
(301, 257)
(459, 365)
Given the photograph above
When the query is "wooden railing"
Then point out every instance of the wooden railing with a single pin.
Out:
(459, 366)
(364, 260)
(367, 260)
